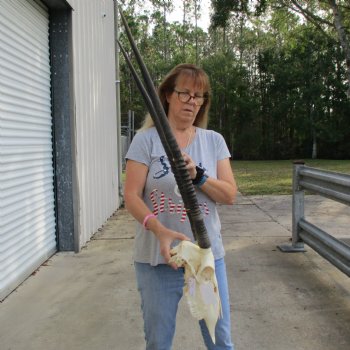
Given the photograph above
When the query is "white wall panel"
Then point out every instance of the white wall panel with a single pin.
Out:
(27, 217)
(96, 129)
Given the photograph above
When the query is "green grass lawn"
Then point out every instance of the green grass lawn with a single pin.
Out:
(275, 177)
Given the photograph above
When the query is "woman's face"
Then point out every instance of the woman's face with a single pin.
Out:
(180, 111)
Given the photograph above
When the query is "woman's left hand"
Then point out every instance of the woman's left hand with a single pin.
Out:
(190, 165)
(222, 189)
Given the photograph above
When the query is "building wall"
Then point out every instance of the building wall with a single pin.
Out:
(95, 122)
(27, 201)
(59, 138)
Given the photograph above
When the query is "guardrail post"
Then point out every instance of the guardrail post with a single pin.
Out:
(298, 206)
(297, 212)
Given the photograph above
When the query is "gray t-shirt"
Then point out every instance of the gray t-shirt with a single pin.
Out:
(162, 196)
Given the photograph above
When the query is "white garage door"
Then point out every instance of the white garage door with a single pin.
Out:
(27, 217)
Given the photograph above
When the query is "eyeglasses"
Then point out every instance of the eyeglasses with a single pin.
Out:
(186, 97)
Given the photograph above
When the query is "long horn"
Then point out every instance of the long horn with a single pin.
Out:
(145, 96)
(169, 143)
(153, 114)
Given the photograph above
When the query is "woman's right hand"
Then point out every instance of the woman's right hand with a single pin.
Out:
(166, 237)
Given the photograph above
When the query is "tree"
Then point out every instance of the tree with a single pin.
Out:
(166, 6)
(310, 10)
(277, 80)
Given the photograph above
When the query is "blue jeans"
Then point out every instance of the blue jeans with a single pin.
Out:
(161, 289)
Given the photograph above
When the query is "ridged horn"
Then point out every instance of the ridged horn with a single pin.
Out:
(168, 140)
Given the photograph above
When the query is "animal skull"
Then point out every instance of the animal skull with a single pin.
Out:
(201, 287)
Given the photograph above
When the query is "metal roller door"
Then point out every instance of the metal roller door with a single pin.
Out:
(27, 216)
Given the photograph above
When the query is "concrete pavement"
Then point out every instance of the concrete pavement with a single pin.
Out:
(280, 301)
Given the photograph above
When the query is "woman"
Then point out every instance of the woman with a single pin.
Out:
(152, 197)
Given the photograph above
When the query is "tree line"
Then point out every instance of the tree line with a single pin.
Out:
(279, 71)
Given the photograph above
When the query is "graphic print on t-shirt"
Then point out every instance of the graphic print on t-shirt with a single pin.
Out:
(174, 206)
(164, 169)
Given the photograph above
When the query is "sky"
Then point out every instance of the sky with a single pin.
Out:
(203, 22)
(176, 15)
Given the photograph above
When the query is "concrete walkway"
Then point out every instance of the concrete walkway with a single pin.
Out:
(280, 301)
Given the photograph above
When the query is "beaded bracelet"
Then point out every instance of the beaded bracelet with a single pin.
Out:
(147, 217)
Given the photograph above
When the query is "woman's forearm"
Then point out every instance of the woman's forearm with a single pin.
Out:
(136, 207)
(220, 191)
(139, 210)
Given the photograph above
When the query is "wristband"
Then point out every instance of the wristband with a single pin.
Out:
(202, 181)
(199, 175)
(147, 217)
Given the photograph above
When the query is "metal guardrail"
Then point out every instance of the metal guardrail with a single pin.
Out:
(335, 186)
